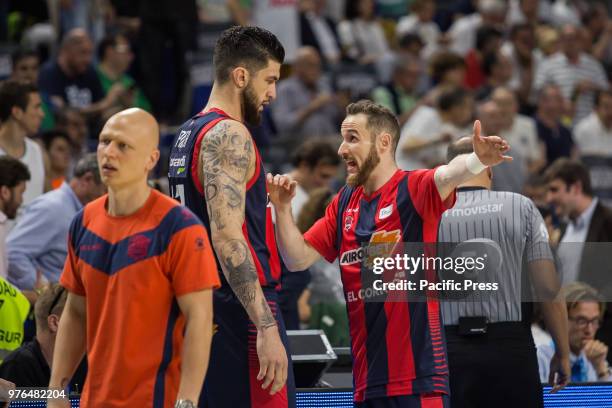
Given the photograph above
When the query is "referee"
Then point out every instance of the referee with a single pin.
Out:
(492, 357)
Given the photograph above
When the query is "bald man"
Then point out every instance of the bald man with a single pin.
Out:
(71, 80)
(139, 275)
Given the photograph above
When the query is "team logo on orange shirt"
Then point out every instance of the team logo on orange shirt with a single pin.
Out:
(138, 247)
(199, 242)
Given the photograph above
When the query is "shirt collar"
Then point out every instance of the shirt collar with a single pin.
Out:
(584, 219)
(66, 189)
(3, 217)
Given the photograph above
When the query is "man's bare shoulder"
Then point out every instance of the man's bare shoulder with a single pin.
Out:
(228, 151)
(227, 129)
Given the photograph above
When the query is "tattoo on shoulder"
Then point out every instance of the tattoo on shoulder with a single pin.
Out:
(228, 152)
(226, 156)
(241, 273)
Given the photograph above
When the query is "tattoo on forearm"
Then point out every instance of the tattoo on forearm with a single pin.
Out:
(240, 271)
(226, 155)
(267, 320)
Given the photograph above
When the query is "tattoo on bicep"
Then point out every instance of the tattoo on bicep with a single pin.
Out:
(240, 270)
(234, 199)
(226, 156)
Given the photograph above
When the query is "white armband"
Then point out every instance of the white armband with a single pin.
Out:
(473, 163)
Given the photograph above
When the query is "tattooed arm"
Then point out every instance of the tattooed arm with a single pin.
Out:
(226, 163)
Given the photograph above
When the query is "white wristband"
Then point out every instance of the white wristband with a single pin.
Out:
(473, 164)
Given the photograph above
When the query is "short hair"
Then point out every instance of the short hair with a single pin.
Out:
(548, 85)
(489, 60)
(61, 116)
(410, 38)
(12, 171)
(491, 6)
(402, 62)
(459, 147)
(570, 171)
(315, 152)
(52, 299)
(418, 5)
(49, 136)
(443, 62)
(21, 54)
(451, 97)
(601, 93)
(576, 292)
(88, 164)
(517, 28)
(379, 118)
(110, 40)
(486, 34)
(314, 208)
(14, 93)
(251, 47)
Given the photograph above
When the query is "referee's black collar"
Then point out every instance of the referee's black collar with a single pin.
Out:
(470, 188)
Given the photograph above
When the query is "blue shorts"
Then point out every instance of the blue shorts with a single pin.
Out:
(231, 380)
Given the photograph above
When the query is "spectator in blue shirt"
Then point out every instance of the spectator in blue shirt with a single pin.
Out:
(38, 241)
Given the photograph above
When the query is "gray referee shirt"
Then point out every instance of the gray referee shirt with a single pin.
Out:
(509, 222)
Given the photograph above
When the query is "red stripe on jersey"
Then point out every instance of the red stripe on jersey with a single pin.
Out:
(399, 348)
(260, 397)
(358, 331)
(431, 401)
(257, 168)
(274, 261)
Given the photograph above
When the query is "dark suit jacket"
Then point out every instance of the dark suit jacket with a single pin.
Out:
(596, 256)
(308, 36)
(596, 266)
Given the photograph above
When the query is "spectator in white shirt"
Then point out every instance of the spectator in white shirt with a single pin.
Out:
(566, 12)
(527, 11)
(519, 130)
(463, 31)
(20, 117)
(509, 176)
(576, 73)
(593, 134)
(420, 21)
(425, 137)
(362, 37)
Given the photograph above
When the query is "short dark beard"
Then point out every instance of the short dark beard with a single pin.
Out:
(370, 163)
(250, 108)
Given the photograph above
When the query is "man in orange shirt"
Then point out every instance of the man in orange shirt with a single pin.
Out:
(139, 273)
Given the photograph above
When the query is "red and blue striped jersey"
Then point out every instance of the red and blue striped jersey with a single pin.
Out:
(186, 187)
(398, 348)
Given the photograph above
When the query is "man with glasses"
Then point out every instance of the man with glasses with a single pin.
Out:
(585, 310)
(29, 365)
